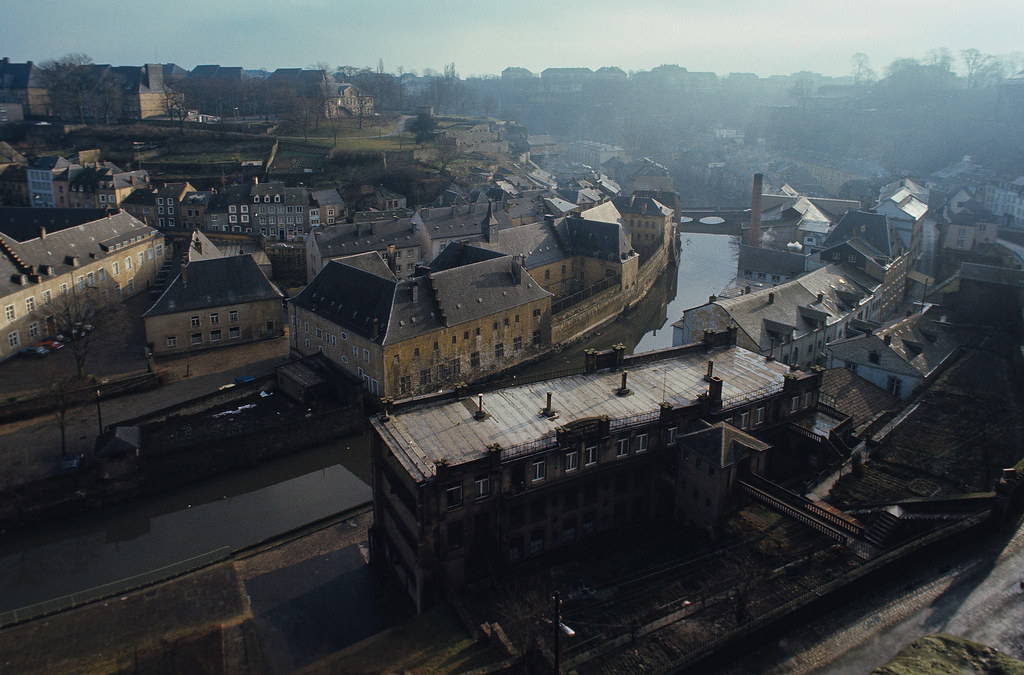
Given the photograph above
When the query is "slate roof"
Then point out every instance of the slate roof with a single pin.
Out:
(917, 345)
(771, 260)
(873, 228)
(594, 238)
(353, 238)
(20, 76)
(348, 295)
(327, 197)
(360, 295)
(794, 307)
(89, 240)
(460, 253)
(855, 396)
(215, 283)
(722, 444)
(537, 243)
(472, 291)
(641, 206)
(23, 223)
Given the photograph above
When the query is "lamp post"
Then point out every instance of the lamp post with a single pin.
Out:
(559, 629)
(99, 413)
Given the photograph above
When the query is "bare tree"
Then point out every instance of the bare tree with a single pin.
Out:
(67, 82)
(76, 315)
(862, 72)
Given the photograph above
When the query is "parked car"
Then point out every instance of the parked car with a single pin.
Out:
(36, 351)
(50, 343)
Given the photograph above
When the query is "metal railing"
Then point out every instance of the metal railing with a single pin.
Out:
(568, 301)
(747, 396)
(113, 588)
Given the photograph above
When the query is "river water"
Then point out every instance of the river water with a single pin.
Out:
(250, 506)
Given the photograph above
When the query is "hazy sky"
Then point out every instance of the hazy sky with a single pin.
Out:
(767, 37)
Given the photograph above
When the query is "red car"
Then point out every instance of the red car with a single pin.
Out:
(50, 344)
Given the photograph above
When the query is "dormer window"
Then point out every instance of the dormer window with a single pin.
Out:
(255, 199)
(266, 199)
(277, 198)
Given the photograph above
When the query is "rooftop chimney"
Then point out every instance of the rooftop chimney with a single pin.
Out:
(887, 339)
(755, 211)
(771, 298)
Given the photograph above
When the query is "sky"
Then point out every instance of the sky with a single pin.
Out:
(482, 37)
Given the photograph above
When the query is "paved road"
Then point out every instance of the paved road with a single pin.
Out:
(31, 449)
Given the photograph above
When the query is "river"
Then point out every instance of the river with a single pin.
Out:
(246, 507)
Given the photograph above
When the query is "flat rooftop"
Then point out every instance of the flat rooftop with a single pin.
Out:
(447, 430)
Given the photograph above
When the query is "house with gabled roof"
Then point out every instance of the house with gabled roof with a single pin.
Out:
(791, 322)
(404, 337)
(46, 254)
(900, 356)
(214, 302)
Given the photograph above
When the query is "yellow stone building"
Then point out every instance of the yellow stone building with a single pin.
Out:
(466, 317)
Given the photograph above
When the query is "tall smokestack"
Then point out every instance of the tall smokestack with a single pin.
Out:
(755, 211)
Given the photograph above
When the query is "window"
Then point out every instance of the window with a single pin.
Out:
(12, 339)
(536, 337)
(672, 433)
(590, 455)
(30, 305)
(33, 329)
(453, 496)
(539, 469)
(745, 419)
(9, 313)
(172, 342)
(215, 335)
(116, 268)
(424, 377)
(214, 318)
(499, 350)
(142, 258)
(622, 449)
(474, 360)
(47, 296)
(127, 264)
(405, 384)
(366, 355)
(759, 416)
(235, 333)
(517, 344)
(794, 403)
(572, 460)
(415, 352)
(641, 443)
(80, 283)
(233, 316)
(195, 321)
(482, 487)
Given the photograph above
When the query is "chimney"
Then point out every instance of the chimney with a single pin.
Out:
(715, 391)
(623, 389)
(821, 297)
(42, 233)
(755, 211)
(547, 411)
(184, 276)
(415, 291)
(480, 414)
(887, 340)
(771, 298)
(711, 371)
